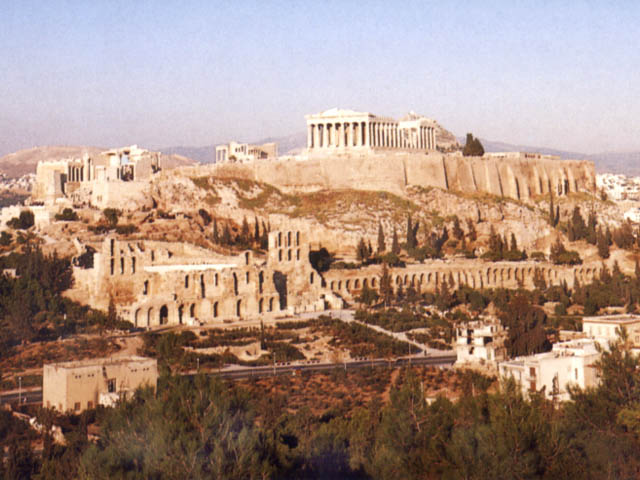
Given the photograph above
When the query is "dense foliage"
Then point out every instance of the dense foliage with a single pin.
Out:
(201, 428)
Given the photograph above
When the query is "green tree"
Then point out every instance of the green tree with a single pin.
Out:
(601, 243)
(395, 246)
(381, 245)
(386, 287)
(111, 215)
(472, 147)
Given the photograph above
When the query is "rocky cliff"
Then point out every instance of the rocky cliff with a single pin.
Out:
(515, 176)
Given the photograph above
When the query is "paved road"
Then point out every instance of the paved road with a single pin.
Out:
(294, 368)
(31, 396)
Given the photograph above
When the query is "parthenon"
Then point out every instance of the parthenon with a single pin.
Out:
(347, 130)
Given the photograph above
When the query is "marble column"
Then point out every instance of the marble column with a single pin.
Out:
(309, 136)
(366, 134)
(316, 135)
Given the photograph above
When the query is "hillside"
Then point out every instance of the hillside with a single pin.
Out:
(23, 162)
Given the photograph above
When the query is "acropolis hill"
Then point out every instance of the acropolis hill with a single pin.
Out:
(347, 149)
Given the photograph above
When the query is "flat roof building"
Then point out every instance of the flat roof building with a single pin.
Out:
(569, 363)
(81, 385)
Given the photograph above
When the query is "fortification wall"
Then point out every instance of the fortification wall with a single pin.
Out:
(515, 177)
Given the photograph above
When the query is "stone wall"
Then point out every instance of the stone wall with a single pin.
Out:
(518, 176)
(157, 283)
(427, 276)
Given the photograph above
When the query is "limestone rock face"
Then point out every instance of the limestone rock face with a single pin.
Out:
(517, 176)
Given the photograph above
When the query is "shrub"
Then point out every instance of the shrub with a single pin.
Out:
(67, 215)
(127, 229)
(22, 222)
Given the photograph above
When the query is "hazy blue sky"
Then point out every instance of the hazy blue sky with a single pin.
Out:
(561, 74)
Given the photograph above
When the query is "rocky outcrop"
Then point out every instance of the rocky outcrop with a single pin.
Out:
(517, 176)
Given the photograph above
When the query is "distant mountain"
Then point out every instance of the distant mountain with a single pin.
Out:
(199, 154)
(22, 162)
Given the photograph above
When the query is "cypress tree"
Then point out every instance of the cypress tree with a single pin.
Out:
(381, 245)
(395, 246)
(256, 230)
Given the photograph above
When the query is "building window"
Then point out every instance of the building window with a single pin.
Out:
(89, 405)
(145, 289)
(186, 281)
(76, 406)
(111, 385)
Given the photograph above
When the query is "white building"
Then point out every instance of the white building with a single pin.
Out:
(478, 342)
(569, 363)
(235, 152)
(606, 327)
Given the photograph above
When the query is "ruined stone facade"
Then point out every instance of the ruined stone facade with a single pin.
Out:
(339, 130)
(156, 283)
(159, 283)
(116, 178)
(245, 152)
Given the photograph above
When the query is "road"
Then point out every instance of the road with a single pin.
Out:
(430, 357)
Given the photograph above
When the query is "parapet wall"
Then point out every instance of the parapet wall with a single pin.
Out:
(519, 177)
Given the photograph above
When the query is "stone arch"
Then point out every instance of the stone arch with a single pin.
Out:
(136, 318)
(429, 277)
(271, 304)
(339, 284)
(192, 310)
(413, 280)
(288, 239)
(373, 282)
(215, 309)
(180, 314)
(149, 317)
(346, 285)
(365, 283)
(239, 308)
(235, 283)
(246, 258)
(406, 280)
(202, 287)
(421, 278)
(260, 281)
(398, 280)
(163, 315)
(260, 304)
(333, 285)
(356, 284)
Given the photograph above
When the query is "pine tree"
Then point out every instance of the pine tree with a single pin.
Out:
(514, 244)
(361, 251)
(256, 230)
(381, 246)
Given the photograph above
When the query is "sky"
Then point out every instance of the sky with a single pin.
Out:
(557, 74)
